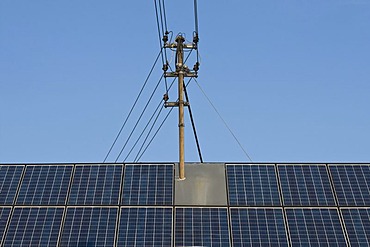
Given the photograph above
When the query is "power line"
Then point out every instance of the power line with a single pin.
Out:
(137, 158)
(141, 115)
(219, 115)
(146, 126)
(155, 134)
(133, 106)
(193, 124)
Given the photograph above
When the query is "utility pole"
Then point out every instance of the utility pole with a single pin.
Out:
(181, 72)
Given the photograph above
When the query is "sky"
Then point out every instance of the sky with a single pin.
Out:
(290, 78)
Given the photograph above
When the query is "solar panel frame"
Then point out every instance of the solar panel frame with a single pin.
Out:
(357, 225)
(305, 185)
(4, 219)
(201, 226)
(142, 188)
(88, 186)
(72, 232)
(145, 226)
(351, 184)
(10, 177)
(313, 228)
(43, 221)
(242, 177)
(258, 226)
(51, 187)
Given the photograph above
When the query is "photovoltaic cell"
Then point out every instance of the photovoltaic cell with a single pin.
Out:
(357, 223)
(201, 227)
(34, 227)
(44, 185)
(148, 185)
(89, 226)
(252, 185)
(306, 185)
(145, 227)
(96, 185)
(9, 180)
(352, 184)
(4, 215)
(315, 227)
(258, 227)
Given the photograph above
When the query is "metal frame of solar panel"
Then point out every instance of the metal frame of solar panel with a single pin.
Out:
(290, 204)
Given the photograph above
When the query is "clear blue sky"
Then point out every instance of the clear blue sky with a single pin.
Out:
(291, 78)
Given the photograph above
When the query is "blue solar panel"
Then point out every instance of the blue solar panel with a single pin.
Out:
(306, 185)
(258, 227)
(145, 227)
(201, 227)
(9, 180)
(252, 185)
(148, 185)
(96, 185)
(4, 215)
(357, 223)
(352, 184)
(315, 227)
(44, 185)
(34, 227)
(89, 226)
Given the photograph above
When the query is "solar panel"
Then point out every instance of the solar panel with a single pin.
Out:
(4, 215)
(357, 221)
(352, 184)
(252, 185)
(258, 227)
(145, 227)
(201, 227)
(96, 185)
(314, 227)
(89, 226)
(148, 185)
(305, 185)
(44, 185)
(37, 226)
(9, 180)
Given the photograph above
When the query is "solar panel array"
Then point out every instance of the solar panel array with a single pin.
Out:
(134, 205)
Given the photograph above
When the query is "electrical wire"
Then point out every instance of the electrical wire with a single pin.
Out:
(138, 120)
(151, 128)
(133, 106)
(146, 126)
(196, 15)
(193, 124)
(138, 156)
(219, 115)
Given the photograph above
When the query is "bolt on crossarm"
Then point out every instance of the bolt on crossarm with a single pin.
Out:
(181, 72)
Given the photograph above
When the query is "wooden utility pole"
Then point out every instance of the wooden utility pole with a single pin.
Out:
(181, 71)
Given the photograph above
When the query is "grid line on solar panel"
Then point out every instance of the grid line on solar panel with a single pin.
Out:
(148, 185)
(305, 185)
(252, 185)
(4, 217)
(45, 185)
(201, 227)
(9, 181)
(352, 184)
(34, 226)
(96, 185)
(315, 227)
(258, 227)
(89, 226)
(145, 226)
(357, 222)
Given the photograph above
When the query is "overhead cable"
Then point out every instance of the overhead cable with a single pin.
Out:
(138, 120)
(133, 106)
(219, 115)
